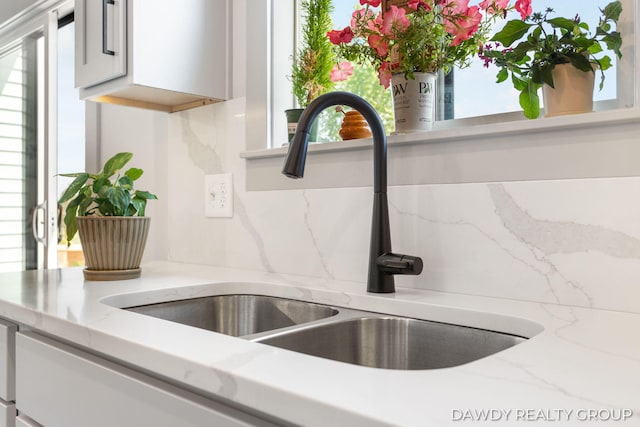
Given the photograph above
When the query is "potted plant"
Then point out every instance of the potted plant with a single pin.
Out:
(553, 53)
(109, 216)
(409, 45)
(313, 61)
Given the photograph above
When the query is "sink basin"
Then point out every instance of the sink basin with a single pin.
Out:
(394, 343)
(237, 315)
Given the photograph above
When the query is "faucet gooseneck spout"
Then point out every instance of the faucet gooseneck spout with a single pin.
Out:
(383, 264)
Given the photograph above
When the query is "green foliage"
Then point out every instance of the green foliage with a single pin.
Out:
(547, 42)
(314, 60)
(104, 194)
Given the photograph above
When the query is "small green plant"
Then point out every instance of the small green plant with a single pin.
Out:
(547, 42)
(104, 194)
(313, 62)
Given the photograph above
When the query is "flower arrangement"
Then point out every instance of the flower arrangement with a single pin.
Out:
(435, 35)
(547, 42)
(311, 70)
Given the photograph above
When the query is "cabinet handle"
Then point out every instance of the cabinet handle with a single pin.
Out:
(105, 3)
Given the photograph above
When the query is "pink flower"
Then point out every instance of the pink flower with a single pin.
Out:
(494, 6)
(524, 7)
(340, 36)
(417, 4)
(374, 3)
(455, 7)
(380, 45)
(362, 19)
(465, 26)
(341, 71)
(395, 18)
(384, 74)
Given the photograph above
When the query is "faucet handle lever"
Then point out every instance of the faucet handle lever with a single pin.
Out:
(399, 264)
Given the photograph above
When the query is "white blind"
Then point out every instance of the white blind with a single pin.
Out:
(12, 163)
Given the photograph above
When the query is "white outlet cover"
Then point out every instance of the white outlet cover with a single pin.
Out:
(218, 196)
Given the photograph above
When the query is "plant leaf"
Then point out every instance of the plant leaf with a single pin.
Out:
(126, 182)
(563, 23)
(511, 32)
(580, 62)
(134, 173)
(503, 75)
(530, 101)
(545, 75)
(71, 225)
(99, 183)
(139, 204)
(115, 163)
(74, 187)
(145, 195)
(120, 200)
(612, 11)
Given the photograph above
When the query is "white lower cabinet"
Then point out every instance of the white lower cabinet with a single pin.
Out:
(7, 360)
(61, 386)
(24, 421)
(7, 413)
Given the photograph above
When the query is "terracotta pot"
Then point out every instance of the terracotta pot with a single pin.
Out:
(113, 246)
(573, 93)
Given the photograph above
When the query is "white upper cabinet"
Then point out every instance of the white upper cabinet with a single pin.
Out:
(101, 41)
(156, 54)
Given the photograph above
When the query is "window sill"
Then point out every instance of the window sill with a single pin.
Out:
(594, 145)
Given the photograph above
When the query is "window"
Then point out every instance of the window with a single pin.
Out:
(497, 148)
(472, 87)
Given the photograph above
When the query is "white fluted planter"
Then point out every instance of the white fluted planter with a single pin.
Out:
(113, 246)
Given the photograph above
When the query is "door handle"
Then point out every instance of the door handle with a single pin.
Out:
(105, 4)
(42, 207)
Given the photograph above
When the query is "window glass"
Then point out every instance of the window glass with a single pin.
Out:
(71, 134)
(472, 86)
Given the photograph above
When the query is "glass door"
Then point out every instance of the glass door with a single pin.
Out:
(35, 93)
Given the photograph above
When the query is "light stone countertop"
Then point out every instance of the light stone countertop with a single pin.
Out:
(579, 364)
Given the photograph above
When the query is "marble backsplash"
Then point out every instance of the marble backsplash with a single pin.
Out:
(572, 242)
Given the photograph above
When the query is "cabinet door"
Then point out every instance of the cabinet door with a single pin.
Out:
(101, 41)
(61, 386)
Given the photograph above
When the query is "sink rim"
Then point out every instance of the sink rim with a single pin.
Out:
(417, 309)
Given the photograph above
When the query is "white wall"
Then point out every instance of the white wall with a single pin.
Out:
(144, 133)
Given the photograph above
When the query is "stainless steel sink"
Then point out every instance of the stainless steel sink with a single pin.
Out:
(395, 343)
(237, 315)
(346, 335)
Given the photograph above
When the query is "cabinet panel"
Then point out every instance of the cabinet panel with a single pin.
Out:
(7, 360)
(7, 414)
(23, 421)
(58, 385)
(100, 41)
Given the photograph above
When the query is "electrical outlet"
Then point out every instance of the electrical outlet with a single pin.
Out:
(218, 195)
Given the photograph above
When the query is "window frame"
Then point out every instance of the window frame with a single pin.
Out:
(260, 114)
